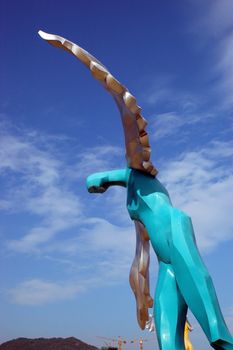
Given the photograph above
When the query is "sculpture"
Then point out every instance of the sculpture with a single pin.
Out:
(183, 280)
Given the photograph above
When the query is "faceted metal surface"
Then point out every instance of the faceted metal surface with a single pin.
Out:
(139, 275)
(136, 138)
(183, 280)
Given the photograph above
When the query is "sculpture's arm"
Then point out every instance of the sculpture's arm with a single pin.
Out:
(100, 182)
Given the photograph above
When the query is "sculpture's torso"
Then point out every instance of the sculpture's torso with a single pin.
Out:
(148, 202)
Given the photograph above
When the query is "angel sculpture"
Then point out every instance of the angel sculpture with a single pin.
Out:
(183, 280)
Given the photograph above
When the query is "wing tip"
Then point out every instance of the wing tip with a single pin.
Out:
(48, 36)
(43, 35)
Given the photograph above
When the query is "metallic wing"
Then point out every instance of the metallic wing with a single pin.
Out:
(136, 138)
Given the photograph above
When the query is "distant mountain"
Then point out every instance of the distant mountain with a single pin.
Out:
(46, 344)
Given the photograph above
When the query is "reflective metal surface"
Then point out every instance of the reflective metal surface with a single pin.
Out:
(136, 138)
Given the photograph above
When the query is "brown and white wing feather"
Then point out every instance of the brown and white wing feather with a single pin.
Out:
(139, 275)
(136, 138)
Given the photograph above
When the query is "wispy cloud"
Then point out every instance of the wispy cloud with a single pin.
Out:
(175, 110)
(213, 24)
(111, 248)
(171, 123)
(99, 256)
(164, 92)
(39, 183)
(34, 184)
(224, 68)
(37, 292)
(20, 153)
(159, 90)
(201, 183)
(215, 17)
(94, 159)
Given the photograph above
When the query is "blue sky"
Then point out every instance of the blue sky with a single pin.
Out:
(65, 254)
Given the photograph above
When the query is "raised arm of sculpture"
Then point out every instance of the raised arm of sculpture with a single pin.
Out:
(183, 280)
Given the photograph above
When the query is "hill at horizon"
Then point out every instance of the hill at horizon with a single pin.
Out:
(70, 343)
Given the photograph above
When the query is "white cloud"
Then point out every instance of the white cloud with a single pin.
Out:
(215, 18)
(169, 124)
(214, 26)
(40, 184)
(40, 187)
(37, 292)
(35, 184)
(194, 179)
(95, 159)
(104, 255)
(111, 248)
(224, 68)
(58, 209)
(25, 158)
(159, 92)
(164, 90)
(33, 240)
(182, 110)
(4, 204)
(115, 202)
(97, 236)
(201, 184)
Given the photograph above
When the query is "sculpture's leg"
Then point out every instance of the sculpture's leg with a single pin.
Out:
(195, 282)
(170, 310)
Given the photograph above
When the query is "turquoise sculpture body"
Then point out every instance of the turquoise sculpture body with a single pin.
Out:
(183, 280)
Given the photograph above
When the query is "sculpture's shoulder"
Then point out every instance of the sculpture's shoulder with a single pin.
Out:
(144, 193)
(145, 184)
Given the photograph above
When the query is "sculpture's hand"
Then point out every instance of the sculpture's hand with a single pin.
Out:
(150, 324)
(100, 182)
(96, 183)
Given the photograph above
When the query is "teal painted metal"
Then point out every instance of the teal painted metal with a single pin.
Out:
(183, 280)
